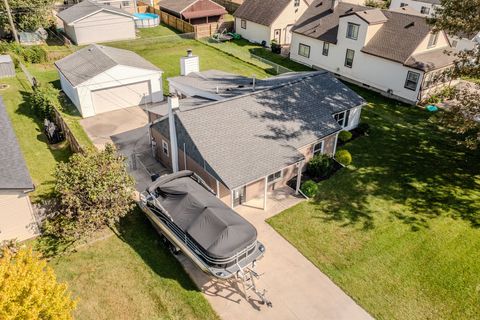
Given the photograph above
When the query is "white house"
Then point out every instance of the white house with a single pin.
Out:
(391, 52)
(17, 219)
(425, 7)
(261, 21)
(100, 79)
(91, 22)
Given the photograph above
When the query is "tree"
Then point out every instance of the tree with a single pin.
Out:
(92, 191)
(28, 15)
(462, 17)
(29, 289)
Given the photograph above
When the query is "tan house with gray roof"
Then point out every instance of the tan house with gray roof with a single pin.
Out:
(393, 52)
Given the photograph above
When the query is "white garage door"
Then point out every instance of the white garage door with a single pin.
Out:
(115, 98)
(16, 217)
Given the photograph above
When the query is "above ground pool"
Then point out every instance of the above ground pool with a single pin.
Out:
(146, 20)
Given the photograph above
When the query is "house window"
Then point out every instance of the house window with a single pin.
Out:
(403, 5)
(243, 24)
(275, 176)
(304, 50)
(318, 148)
(342, 118)
(454, 43)
(352, 31)
(326, 47)
(349, 58)
(425, 10)
(412, 80)
(432, 42)
(296, 3)
(165, 148)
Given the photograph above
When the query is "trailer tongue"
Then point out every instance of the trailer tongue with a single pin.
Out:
(194, 221)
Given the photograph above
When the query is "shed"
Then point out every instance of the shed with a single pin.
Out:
(7, 67)
(194, 11)
(17, 219)
(91, 22)
(100, 79)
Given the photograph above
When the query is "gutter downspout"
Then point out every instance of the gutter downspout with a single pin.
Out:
(173, 103)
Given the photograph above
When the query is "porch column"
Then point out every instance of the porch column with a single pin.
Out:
(299, 177)
(265, 194)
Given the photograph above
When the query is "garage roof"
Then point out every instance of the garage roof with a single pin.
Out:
(87, 8)
(13, 170)
(95, 59)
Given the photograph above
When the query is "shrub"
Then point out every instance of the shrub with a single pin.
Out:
(30, 289)
(363, 128)
(344, 157)
(344, 136)
(34, 54)
(320, 166)
(309, 188)
(44, 99)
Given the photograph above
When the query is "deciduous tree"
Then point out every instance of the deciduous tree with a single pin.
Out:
(28, 15)
(92, 191)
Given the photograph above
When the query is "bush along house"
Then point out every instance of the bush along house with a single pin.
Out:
(396, 53)
(246, 137)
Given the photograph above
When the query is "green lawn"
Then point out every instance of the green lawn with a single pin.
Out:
(41, 159)
(130, 276)
(399, 230)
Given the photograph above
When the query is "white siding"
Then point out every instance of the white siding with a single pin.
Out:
(286, 20)
(354, 118)
(413, 4)
(70, 91)
(17, 220)
(253, 32)
(102, 27)
(373, 71)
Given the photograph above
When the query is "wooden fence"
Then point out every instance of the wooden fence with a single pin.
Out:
(200, 30)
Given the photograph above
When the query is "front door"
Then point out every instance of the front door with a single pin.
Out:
(239, 196)
(277, 34)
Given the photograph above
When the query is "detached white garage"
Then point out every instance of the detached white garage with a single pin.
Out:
(17, 220)
(90, 22)
(100, 79)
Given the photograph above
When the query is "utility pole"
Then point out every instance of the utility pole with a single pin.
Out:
(10, 19)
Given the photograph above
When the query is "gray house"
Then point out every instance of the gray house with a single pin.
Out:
(91, 22)
(247, 137)
(17, 220)
(7, 67)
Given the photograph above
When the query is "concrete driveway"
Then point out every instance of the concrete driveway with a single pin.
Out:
(297, 289)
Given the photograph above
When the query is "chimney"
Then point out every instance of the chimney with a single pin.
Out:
(189, 63)
(335, 4)
(173, 103)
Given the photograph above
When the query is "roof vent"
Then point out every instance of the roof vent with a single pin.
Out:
(319, 5)
(411, 24)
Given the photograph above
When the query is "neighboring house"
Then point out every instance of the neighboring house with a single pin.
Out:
(100, 79)
(392, 52)
(425, 7)
(261, 21)
(246, 137)
(7, 67)
(194, 11)
(91, 22)
(465, 41)
(17, 220)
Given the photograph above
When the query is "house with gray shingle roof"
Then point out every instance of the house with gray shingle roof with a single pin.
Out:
(247, 139)
(17, 220)
(100, 79)
(93, 22)
(393, 52)
(261, 21)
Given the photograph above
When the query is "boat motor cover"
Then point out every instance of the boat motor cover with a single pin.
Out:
(219, 230)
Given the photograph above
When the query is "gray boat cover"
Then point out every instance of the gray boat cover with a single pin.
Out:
(219, 230)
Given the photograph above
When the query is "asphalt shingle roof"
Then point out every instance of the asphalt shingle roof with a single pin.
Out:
(91, 61)
(86, 8)
(431, 60)
(247, 137)
(263, 12)
(13, 170)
